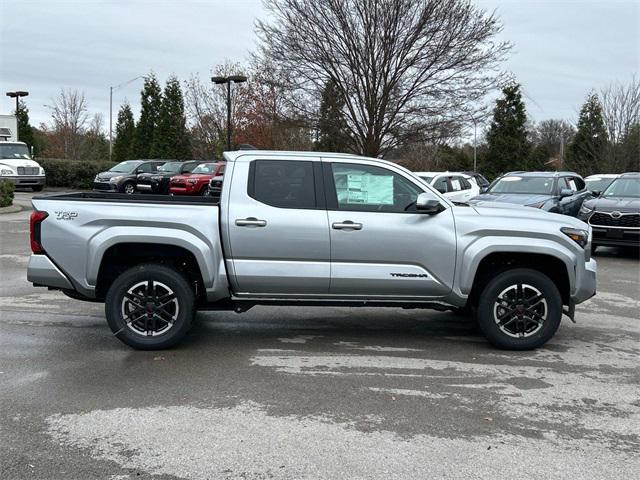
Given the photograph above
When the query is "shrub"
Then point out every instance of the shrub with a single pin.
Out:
(72, 173)
(6, 193)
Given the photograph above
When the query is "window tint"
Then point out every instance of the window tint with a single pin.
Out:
(145, 168)
(580, 185)
(372, 189)
(283, 183)
(441, 185)
(466, 185)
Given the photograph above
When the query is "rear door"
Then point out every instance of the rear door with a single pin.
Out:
(278, 231)
(380, 245)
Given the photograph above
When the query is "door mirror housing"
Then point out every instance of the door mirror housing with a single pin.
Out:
(566, 192)
(426, 204)
(484, 189)
(596, 193)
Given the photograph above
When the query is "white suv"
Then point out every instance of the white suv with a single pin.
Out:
(457, 187)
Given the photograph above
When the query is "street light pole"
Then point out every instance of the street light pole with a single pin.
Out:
(111, 89)
(228, 80)
(17, 94)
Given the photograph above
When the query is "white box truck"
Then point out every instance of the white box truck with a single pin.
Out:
(16, 164)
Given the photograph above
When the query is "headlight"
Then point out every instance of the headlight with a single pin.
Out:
(586, 210)
(41, 171)
(581, 237)
(537, 205)
(6, 171)
(115, 179)
(193, 181)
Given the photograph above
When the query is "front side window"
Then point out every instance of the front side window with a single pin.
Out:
(283, 183)
(456, 184)
(370, 189)
(170, 167)
(146, 168)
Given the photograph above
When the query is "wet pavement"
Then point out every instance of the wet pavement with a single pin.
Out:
(293, 393)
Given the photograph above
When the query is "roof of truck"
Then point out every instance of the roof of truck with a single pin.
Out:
(232, 156)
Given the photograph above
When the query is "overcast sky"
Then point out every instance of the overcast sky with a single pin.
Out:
(562, 49)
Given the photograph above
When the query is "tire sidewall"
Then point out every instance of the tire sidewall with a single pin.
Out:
(169, 277)
(505, 279)
(124, 187)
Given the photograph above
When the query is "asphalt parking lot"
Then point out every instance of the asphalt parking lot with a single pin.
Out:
(293, 393)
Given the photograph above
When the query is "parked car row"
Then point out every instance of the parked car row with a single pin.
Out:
(610, 203)
(173, 177)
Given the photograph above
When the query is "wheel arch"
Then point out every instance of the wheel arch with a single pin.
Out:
(555, 267)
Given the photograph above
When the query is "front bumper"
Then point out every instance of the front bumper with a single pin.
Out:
(26, 180)
(586, 282)
(616, 237)
(42, 272)
(105, 187)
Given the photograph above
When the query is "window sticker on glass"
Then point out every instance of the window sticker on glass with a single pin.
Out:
(455, 184)
(363, 188)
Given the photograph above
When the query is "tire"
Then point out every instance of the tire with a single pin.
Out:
(165, 321)
(37, 188)
(527, 323)
(129, 188)
(204, 192)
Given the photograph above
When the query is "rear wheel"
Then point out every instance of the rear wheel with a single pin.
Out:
(519, 309)
(150, 307)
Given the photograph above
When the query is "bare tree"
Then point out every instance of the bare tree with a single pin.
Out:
(69, 117)
(621, 108)
(401, 66)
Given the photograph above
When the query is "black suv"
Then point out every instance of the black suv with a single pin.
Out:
(557, 192)
(614, 215)
(123, 177)
(158, 182)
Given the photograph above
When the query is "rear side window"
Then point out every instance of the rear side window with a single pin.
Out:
(282, 183)
(580, 185)
(465, 183)
(456, 184)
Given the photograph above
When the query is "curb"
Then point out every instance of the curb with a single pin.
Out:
(11, 209)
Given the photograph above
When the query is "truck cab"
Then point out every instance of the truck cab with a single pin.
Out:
(16, 164)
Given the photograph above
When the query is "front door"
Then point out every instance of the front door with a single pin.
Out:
(380, 245)
(278, 229)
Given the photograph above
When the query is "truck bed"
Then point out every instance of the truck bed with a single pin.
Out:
(124, 198)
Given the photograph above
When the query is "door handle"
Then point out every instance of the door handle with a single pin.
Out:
(346, 225)
(250, 222)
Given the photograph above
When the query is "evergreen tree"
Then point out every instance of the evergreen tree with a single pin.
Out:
(630, 150)
(508, 146)
(332, 128)
(171, 137)
(25, 132)
(125, 134)
(151, 99)
(587, 152)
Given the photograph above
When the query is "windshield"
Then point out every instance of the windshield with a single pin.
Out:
(426, 179)
(207, 168)
(623, 187)
(14, 151)
(170, 167)
(125, 167)
(516, 184)
(598, 184)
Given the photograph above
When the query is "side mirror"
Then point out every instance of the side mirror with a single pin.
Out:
(484, 189)
(425, 204)
(566, 192)
(596, 193)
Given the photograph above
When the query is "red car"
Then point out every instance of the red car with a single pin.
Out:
(196, 182)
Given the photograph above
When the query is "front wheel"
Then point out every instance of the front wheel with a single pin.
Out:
(150, 307)
(129, 188)
(519, 309)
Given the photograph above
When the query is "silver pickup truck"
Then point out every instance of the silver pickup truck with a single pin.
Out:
(296, 228)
